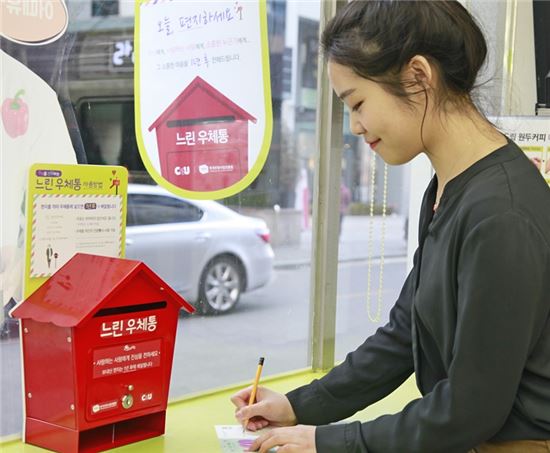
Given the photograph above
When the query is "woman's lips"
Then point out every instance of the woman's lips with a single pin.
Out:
(374, 144)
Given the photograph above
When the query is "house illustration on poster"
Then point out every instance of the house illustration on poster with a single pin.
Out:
(202, 139)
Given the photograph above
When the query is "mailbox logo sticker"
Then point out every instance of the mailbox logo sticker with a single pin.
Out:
(126, 358)
(96, 408)
(203, 103)
(147, 397)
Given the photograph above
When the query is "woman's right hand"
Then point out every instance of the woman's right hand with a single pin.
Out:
(271, 409)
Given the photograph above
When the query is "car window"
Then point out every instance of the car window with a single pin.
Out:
(146, 209)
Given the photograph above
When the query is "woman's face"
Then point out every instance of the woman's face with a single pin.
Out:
(391, 127)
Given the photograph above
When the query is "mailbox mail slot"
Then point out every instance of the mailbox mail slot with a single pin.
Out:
(98, 341)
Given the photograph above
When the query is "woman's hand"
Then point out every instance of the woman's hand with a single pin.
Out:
(294, 439)
(271, 409)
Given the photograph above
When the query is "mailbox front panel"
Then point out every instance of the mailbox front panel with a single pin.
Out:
(128, 362)
(125, 378)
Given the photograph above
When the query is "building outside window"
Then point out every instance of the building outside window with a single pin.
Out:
(105, 7)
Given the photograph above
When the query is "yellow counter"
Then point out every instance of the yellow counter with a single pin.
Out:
(190, 422)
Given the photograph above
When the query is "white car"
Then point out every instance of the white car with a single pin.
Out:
(205, 251)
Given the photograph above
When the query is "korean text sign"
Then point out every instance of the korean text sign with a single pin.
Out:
(72, 208)
(532, 135)
(203, 99)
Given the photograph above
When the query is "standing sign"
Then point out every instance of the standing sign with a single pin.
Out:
(70, 209)
(532, 135)
(203, 100)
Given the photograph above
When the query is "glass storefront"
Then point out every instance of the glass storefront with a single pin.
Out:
(93, 74)
(91, 69)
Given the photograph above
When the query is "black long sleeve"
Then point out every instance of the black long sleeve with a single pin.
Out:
(474, 318)
(498, 322)
(356, 383)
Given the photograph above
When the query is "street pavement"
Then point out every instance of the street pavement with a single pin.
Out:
(360, 239)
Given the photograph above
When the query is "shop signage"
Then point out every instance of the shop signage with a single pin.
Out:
(33, 22)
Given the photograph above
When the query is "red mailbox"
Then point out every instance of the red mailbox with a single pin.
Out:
(202, 139)
(98, 341)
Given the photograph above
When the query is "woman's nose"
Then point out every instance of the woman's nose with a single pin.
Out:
(355, 126)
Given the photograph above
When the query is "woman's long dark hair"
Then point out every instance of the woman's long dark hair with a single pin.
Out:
(377, 38)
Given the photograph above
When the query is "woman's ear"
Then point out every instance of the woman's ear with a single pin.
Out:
(420, 71)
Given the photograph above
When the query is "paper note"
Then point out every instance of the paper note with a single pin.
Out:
(233, 440)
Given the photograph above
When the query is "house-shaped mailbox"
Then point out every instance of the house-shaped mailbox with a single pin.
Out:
(202, 139)
(98, 341)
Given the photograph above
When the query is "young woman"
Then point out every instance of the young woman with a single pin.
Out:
(473, 318)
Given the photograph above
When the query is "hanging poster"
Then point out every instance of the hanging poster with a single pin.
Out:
(70, 209)
(203, 98)
(532, 135)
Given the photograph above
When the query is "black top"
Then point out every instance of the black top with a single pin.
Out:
(472, 321)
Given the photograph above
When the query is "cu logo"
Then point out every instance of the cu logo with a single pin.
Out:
(180, 171)
(147, 397)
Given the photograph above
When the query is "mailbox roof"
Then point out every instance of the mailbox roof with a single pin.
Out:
(72, 295)
(215, 104)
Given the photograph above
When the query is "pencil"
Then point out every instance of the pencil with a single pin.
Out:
(254, 387)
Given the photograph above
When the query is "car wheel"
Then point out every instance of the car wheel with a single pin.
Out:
(220, 285)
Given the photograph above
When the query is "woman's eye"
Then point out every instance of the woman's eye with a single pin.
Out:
(356, 106)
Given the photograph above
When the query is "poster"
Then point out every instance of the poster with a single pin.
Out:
(532, 135)
(203, 98)
(65, 224)
(70, 209)
(32, 129)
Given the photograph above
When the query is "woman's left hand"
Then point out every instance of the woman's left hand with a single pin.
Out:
(292, 439)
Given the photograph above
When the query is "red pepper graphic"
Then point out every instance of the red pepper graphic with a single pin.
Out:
(15, 115)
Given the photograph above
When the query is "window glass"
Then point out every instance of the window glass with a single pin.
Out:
(261, 257)
(157, 209)
(374, 201)
(108, 134)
